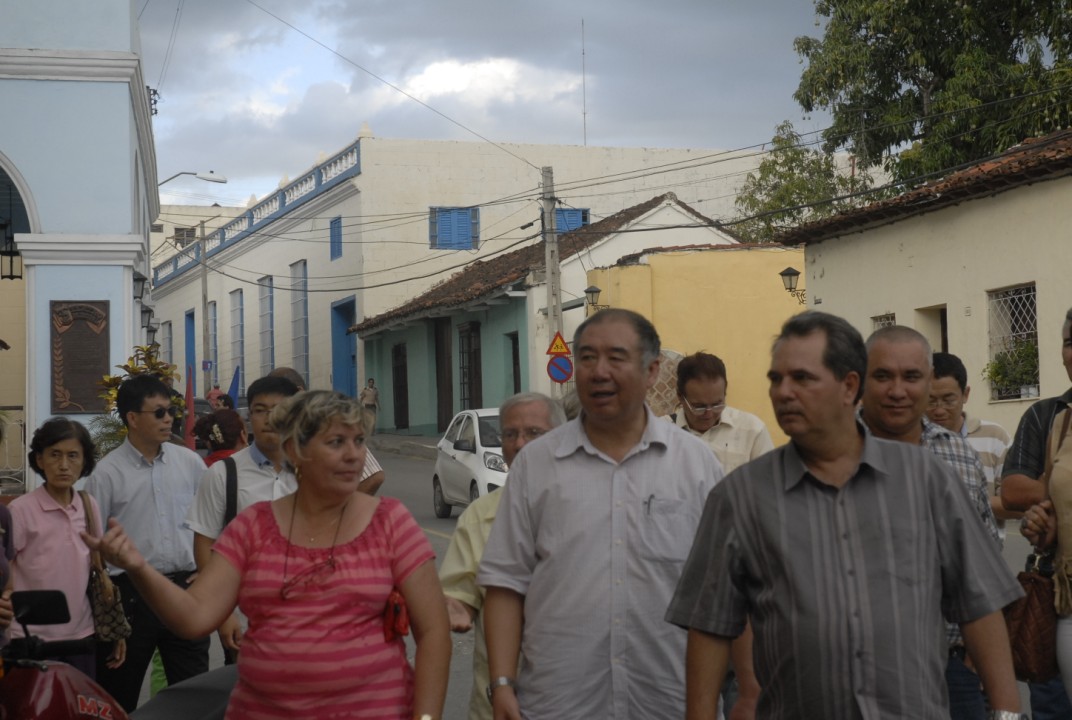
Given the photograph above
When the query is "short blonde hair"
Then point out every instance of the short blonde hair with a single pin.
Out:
(300, 417)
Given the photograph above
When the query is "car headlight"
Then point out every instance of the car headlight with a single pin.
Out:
(494, 461)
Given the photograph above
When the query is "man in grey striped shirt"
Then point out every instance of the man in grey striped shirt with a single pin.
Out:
(896, 394)
(845, 551)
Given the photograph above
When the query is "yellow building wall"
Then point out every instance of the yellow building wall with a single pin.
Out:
(729, 302)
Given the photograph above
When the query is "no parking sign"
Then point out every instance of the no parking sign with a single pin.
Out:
(560, 369)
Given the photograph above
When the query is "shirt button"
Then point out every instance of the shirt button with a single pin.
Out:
(852, 572)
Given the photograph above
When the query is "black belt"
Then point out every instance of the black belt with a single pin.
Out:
(179, 578)
(371, 407)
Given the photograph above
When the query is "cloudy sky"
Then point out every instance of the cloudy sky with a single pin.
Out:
(257, 89)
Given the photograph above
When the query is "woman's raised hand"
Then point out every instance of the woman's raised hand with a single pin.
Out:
(115, 547)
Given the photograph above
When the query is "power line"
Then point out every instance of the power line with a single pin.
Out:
(390, 84)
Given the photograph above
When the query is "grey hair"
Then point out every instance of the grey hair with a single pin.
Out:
(300, 417)
(554, 409)
(650, 345)
(901, 334)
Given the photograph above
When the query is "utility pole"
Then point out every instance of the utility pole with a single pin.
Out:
(551, 264)
(203, 248)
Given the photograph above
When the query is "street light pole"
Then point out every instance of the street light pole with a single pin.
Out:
(203, 249)
(210, 176)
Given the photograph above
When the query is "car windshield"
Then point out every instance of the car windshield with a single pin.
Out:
(489, 431)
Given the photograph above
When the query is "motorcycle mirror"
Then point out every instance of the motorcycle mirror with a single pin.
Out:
(40, 607)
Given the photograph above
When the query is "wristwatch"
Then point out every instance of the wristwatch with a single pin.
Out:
(508, 682)
(1006, 715)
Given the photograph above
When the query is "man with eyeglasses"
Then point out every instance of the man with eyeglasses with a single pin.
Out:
(734, 435)
(148, 484)
(949, 393)
(522, 418)
(897, 390)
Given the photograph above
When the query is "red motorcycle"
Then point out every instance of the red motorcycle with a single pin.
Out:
(32, 688)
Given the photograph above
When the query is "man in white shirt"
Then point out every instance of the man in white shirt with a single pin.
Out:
(148, 484)
(734, 435)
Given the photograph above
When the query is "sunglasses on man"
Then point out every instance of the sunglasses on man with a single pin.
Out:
(160, 412)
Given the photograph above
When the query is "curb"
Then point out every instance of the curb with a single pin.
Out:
(403, 447)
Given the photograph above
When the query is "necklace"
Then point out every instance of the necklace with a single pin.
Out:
(336, 523)
(313, 572)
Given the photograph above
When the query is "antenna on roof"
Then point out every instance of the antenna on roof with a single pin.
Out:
(584, 89)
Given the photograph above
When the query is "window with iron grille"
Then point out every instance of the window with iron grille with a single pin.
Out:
(267, 333)
(299, 318)
(880, 321)
(1013, 370)
(470, 389)
(213, 342)
(238, 340)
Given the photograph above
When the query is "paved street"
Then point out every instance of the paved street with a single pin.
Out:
(410, 480)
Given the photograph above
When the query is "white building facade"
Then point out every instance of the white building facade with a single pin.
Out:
(79, 169)
(379, 223)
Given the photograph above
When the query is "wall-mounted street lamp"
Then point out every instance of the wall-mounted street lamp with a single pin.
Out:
(146, 316)
(10, 257)
(140, 283)
(790, 276)
(150, 333)
(591, 294)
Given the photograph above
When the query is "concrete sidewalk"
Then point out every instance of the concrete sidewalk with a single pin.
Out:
(412, 445)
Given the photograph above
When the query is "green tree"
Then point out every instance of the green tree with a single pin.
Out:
(792, 185)
(946, 82)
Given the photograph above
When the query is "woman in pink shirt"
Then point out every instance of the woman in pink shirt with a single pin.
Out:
(314, 573)
(46, 526)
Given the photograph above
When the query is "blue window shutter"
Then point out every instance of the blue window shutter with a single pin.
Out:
(336, 238)
(567, 219)
(453, 228)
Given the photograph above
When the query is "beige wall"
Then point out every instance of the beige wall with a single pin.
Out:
(951, 258)
(729, 302)
(12, 371)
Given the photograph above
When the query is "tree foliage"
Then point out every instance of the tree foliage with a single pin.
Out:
(793, 184)
(945, 81)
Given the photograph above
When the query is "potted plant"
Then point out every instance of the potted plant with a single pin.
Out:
(1014, 371)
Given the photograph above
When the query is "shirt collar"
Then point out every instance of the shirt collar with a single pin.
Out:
(137, 458)
(258, 457)
(794, 470)
(574, 437)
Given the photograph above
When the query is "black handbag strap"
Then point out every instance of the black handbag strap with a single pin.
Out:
(231, 508)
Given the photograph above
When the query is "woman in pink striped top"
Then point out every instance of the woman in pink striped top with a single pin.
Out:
(313, 572)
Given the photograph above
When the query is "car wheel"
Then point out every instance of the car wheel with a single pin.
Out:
(474, 493)
(439, 504)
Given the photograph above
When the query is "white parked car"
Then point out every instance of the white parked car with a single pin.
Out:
(469, 462)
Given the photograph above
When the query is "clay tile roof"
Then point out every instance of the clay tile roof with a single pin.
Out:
(1033, 160)
(485, 278)
(634, 258)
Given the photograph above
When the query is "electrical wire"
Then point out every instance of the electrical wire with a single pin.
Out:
(391, 85)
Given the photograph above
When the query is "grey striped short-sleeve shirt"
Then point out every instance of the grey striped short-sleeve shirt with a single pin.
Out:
(846, 588)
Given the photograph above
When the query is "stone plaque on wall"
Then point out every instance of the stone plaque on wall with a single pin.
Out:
(79, 349)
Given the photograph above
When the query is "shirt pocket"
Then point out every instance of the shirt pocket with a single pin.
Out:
(667, 528)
